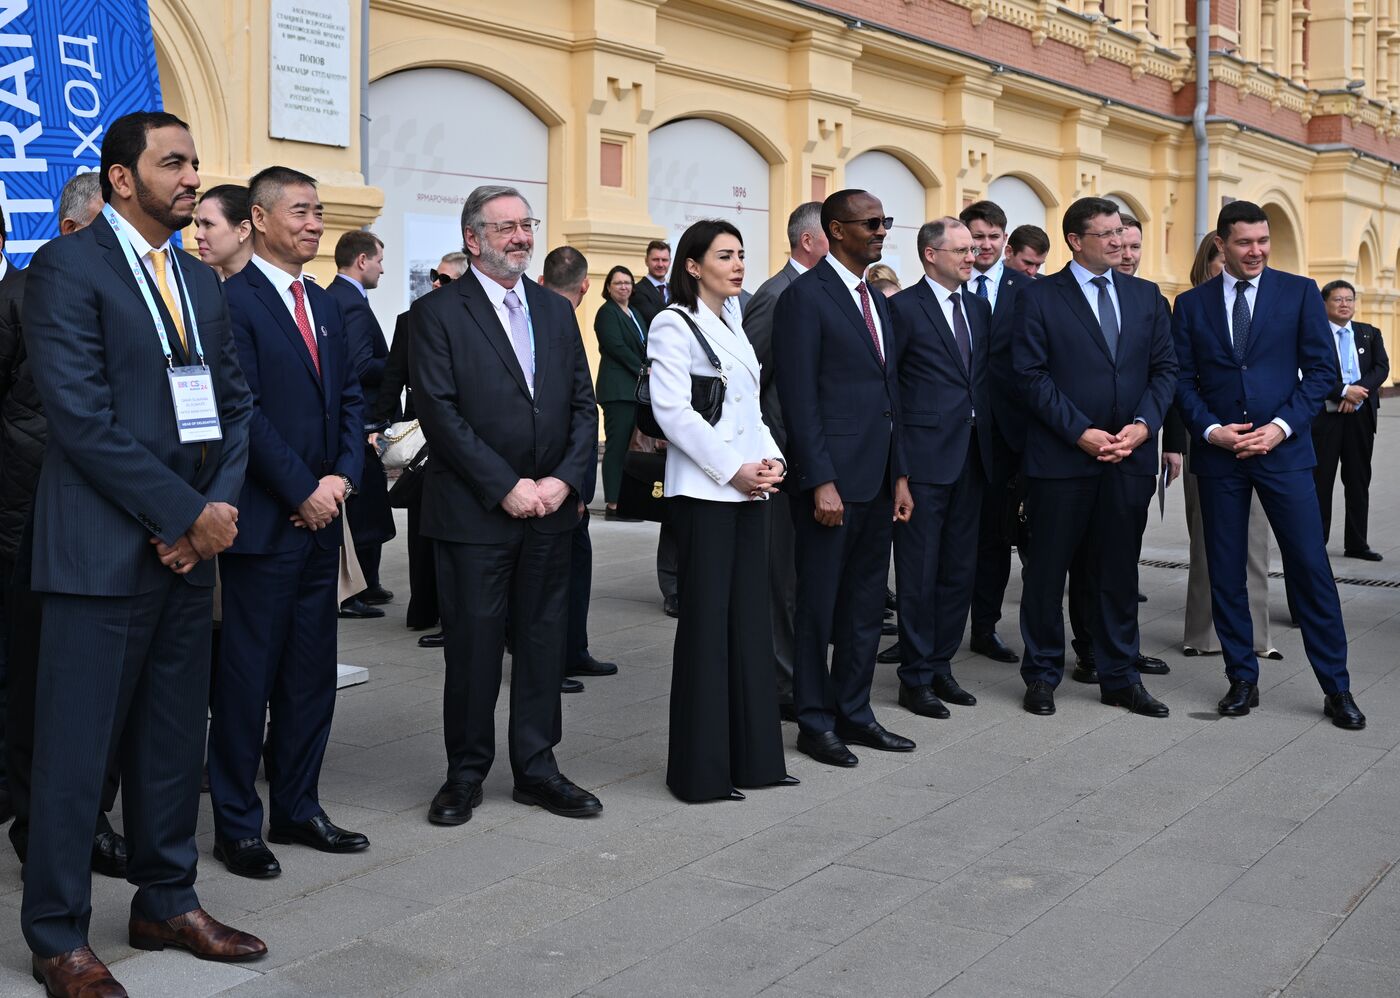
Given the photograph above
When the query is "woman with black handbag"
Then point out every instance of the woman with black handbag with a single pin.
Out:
(721, 464)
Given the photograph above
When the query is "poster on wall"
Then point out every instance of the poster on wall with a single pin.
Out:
(68, 68)
(309, 71)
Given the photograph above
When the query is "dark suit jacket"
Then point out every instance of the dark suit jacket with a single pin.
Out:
(369, 351)
(646, 299)
(386, 408)
(115, 473)
(485, 432)
(840, 404)
(1008, 411)
(621, 352)
(937, 392)
(304, 426)
(1070, 381)
(1375, 370)
(22, 426)
(758, 326)
(1288, 333)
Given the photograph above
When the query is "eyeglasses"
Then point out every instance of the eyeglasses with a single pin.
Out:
(970, 251)
(507, 228)
(439, 278)
(1106, 233)
(1342, 301)
(873, 224)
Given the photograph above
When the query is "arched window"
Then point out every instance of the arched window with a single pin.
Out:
(1019, 200)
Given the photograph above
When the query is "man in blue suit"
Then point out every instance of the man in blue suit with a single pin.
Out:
(838, 383)
(1257, 362)
(132, 505)
(280, 577)
(1092, 351)
(942, 342)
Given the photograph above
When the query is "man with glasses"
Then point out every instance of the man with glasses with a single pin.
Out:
(1092, 351)
(1345, 431)
(834, 359)
(506, 402)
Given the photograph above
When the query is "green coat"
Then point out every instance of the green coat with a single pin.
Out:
(621, 353)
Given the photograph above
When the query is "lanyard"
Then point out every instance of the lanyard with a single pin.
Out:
(138, 272)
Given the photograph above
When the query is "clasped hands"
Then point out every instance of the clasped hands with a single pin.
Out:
(1246, 441)
(758, 478)
(535, 498)
(322, 506)
(1352, 398)
(1110, 448)
(209, 535)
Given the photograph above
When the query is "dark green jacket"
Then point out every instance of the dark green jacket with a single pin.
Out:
(621, 353)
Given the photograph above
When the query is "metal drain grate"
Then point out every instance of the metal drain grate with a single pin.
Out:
(1341, 580)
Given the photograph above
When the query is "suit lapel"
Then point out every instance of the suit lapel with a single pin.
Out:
(1213, 296)
(836, 288)
(277, 310)
(722, 337)
(1265, 298)
(539, 331)
(1068, 286)
(116, 258)
(478, 306)
(928, 298)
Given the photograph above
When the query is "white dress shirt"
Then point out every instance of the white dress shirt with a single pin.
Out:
(1091, 291)
(851, 280)
(496, 294)
(1251, 297)
(993, 275)
(143, 252)
(283, 281)
(795, 266)
(945, 302)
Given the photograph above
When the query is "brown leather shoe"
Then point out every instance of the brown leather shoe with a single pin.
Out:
(198, 933)
(76, 974)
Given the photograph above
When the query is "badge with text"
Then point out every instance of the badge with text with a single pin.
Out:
(196, 409)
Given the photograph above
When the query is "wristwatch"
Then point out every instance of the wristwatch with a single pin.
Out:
(349, 485)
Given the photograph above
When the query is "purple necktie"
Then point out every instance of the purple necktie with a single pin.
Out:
(520, 338)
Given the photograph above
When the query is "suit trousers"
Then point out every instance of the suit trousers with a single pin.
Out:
(277, 661)
(1199, 631)
(1348, 439)
(526, 578)
(935, 564)
(422, 574)
(841, 577)
(580, 592)
(1105, 514)
(1001, 503)
(1290, 502)
(667, 561)
(134, 669)
(619, 420)
(725, 731)
(782, 590)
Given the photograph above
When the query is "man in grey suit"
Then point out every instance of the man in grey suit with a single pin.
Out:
(135, 499)
(808, 245)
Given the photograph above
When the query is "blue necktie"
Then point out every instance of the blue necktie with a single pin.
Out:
(982, 287)
(1239, 319)
(1350, 374)
(1108, 318)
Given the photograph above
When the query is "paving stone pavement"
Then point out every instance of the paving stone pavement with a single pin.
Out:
(1090, 853)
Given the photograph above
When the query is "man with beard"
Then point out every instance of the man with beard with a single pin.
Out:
(148, 416)
(503, 391)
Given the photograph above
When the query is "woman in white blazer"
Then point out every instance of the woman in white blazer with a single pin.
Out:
(724, 704)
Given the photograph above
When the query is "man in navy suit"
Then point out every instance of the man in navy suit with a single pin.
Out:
(502, 387)
(280, 577)
(1092, 351)
(941, 337)
(838, 384)
(1257, 362)
(130, 510)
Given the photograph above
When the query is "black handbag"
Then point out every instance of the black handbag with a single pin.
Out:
(641, 493)
(408, 487)
(706, 393)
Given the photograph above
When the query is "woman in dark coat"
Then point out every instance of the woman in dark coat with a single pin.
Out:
(622, 343)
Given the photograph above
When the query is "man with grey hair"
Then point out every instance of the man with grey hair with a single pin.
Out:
(79, 202)
(807, 245)
(505, 399)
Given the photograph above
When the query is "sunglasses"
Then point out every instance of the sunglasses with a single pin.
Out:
(873, 224)
(438, 278)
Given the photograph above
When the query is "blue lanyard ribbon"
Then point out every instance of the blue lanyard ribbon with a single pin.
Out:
(138, 272)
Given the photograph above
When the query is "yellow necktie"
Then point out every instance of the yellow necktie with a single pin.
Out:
(158, 261)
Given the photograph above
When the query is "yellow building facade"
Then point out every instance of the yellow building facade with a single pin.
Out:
(622, 119)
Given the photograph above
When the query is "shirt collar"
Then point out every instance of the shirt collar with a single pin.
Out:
(356, 284)
(654, 282)
(1232, 282)
(992, 273)
(797, 266)
(1336, 329)
(279, 278)
(942, 293)
(496, 293)
(137, 241)
(1084, 275)
(847, 278)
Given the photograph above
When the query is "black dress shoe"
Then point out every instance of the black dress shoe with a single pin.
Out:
(567, 685)
(1085, 671)
(612, 514)
(109, 854)
(1142, 598)
(357, 609)
(787, 712)
(889, 614)
(1039, 698)
(1239, 699)
(891, 601)
(1342, 709)
(1136, 699)
(873, 735)
(560, 796)
(671, 605)
(947, 688)
(248, 858)
(590, 666)
(1151, 666)
(734, 795)
(827, 748)
(1367, 555)
(435, 640)
(453, 804)
(990, 645)
(1190, 652)
(376, 596)
(922, 701)
(320, 833)
(888, 629)
(890, 655)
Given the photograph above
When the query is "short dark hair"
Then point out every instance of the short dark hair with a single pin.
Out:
(232, 200)
(804, 218)
(351, 244)
(837, 206)
(984, 211)
(564, 269)
(266, 187)
(1129, 221)
(1081, 212)
(932, 233)
(607, 281)
(694, 243)
(125, 141)
(657, 244)
(1331, 286)
(1246, 212)
(1031, 237)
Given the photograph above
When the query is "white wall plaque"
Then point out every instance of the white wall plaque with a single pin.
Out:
(309, 71)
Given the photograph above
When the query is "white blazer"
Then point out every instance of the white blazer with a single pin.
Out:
(701, 459)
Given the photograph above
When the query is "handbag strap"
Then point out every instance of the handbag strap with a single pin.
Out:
(704, 343)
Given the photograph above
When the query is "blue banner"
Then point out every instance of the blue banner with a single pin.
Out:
(67, 69)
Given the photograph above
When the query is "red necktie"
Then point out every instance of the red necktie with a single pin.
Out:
(304, 324)
(864, 293)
